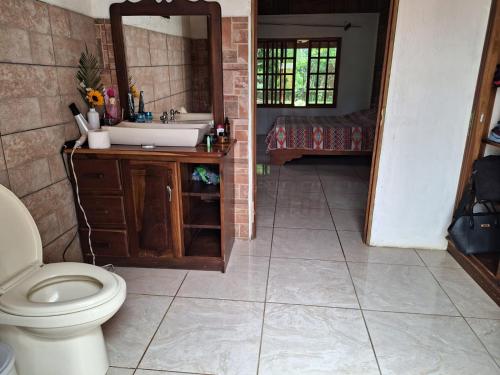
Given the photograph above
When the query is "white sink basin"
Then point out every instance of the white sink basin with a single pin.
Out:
(157, 134)
(194, 116)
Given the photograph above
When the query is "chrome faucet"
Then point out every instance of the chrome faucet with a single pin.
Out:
(173, 112)
(164, 117)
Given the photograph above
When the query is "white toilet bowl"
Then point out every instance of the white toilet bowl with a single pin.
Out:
(51, 315)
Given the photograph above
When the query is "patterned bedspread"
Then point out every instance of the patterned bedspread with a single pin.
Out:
(351, 132)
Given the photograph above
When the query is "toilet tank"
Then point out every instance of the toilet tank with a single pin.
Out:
(20, 242)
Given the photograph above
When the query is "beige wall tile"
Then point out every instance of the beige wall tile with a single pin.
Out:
(4, 178)
(53, 252)
(42, 51)
(66, 78)
(158, 56)
(19, 114)
(26, 14)
(57, 168)
(135, 36)
(14, 45)
(51, 110)
(20, 81)
(59, 21)
(29, 177)
(82, 28)
(157, 40)
(67, 50)
(20, 148)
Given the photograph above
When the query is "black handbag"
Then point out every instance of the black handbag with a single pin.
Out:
(486, 178)
(475, 233)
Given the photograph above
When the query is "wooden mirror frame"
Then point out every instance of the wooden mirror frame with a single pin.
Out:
(174, 8)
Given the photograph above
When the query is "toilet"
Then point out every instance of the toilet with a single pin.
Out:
(51, 315)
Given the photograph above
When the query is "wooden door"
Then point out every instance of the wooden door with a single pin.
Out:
(152, 201)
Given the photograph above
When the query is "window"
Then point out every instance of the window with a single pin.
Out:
(297, 73)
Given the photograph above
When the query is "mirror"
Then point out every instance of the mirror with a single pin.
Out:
(172, 52)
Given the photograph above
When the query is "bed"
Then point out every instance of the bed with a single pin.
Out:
(291, 137)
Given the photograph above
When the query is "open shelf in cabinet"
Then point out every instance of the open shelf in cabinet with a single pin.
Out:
(198, 188)
(202, 242)
(200, 212)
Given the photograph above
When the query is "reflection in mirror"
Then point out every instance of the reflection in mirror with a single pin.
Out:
(168, 59)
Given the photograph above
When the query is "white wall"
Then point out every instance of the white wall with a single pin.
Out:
(194, 27)
(356, 62)
(100, 8)
(435, 65)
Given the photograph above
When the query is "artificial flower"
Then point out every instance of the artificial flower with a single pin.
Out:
(94, 98)
(134, 91)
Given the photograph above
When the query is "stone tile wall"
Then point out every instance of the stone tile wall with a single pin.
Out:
(235, 69)
(39, 50)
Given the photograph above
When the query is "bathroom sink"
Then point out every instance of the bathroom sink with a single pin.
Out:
(195, 116)
(158, 134)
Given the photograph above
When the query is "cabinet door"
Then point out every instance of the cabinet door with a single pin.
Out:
(151, 194)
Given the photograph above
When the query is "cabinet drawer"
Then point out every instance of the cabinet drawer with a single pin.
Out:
(102, 210)
(98, 175)
(105, 242)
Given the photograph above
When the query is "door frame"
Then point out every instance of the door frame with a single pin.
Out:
(379, 127)
(384, 85)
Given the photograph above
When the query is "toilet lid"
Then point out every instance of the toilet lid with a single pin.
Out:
(20, 245)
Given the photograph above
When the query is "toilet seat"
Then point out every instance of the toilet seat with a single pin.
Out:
(102, 287)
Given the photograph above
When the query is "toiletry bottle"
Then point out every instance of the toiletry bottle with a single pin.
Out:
(93, 119)
(227, 126)
(141, 102)
(219, 130)
(131, 108)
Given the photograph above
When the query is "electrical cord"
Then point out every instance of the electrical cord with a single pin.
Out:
(80, 203)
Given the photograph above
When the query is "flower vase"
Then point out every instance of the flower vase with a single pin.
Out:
(93, 119)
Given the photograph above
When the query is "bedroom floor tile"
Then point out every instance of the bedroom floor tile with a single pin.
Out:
(265, 216)
(419, 344)
(356, 251)
(310, 218)
(299, 186)
(301, 200)
(346, 201)
(306, 244)
(350, 220)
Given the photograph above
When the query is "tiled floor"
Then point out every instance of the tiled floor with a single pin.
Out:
(308, 297)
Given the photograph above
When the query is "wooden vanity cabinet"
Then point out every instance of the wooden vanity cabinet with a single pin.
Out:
(151, 196)
(145, 210)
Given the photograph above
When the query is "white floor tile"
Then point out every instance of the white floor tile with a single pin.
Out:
(119, 371)
(207, 336)
(438, 258)
(244, 280)
(352, 220)
(302, 199)
(419, 344)
(310, 282)
(356, 251)
(469, 298)
(300, 186)
(347, 201)
(488, 332)
(399, 288)
(157, 372)
(306, 244)
(265, 216)
(128, 333)
(311, 218)
(260, 246)
(155, 281)
(315, 340)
